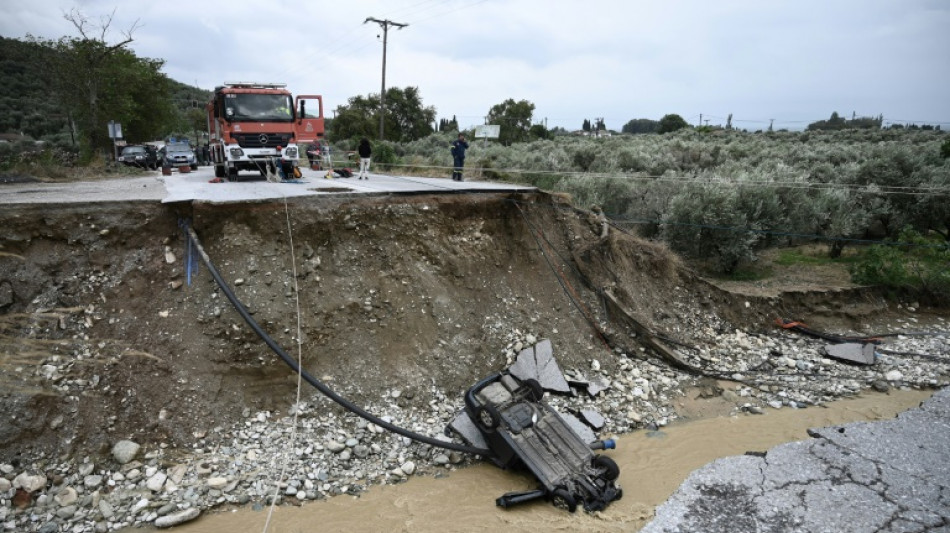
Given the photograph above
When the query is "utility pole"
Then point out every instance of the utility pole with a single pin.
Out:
(384, 24)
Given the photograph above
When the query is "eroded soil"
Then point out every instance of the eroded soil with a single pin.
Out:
(104, 338)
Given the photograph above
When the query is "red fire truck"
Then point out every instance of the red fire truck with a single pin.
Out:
(253, 125)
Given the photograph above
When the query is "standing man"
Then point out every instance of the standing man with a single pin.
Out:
(365, 151)
(458, 155)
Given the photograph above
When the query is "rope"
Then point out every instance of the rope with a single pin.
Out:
(316, 383)
(293, 429)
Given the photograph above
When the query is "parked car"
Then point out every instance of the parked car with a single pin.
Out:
(179, 155)
(139, 156)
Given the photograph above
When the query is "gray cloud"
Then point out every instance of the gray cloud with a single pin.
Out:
(794, 62)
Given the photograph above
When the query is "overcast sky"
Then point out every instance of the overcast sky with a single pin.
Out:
(794, 61)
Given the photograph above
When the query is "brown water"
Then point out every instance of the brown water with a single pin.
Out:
(652, 467)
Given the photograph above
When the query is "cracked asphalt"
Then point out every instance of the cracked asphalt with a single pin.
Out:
(891, 476)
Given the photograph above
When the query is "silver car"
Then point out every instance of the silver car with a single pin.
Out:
(179, 155)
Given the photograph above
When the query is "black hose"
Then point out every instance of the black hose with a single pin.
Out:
(319, 385)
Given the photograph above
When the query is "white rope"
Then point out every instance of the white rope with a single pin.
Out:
(293, 430)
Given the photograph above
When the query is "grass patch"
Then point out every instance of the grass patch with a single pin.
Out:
(815, 256)
(742, 274)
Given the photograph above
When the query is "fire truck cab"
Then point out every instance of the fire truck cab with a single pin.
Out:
(252, 126)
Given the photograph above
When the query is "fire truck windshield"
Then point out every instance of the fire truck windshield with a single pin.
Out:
(258, 107)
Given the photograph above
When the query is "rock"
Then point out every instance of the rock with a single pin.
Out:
(156, 482)
(408, 468)
(894, 375)
(217, 483)
(177, 473)
(335, 446)
(66, 512)
(106, 509)
(66, 496)
(175, 519)
(29, 482)
(878, 385)
(5, 484)
(124, 451)
(92, 481)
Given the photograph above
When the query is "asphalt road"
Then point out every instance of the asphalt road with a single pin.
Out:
(198, 186)
(891, 476)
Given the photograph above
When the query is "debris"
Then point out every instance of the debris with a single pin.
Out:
(852, 352)
(537, 362)
(592, 418)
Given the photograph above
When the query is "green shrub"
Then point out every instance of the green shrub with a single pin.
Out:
(918, 266)
(384, 155)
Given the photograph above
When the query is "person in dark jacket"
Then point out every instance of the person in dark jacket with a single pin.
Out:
(365, 151)
(458, 155)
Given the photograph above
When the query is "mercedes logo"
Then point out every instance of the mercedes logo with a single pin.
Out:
(263, 139)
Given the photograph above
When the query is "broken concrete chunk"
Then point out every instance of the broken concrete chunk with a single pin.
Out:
(537, 362)
(463, 426)
(592, 418)
(585, 433)
(852, 352)
(597, 385)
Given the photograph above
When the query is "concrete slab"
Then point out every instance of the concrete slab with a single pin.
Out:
(583, 431)
(537, 362)
(889, 476)
(463, 426)
(852, 352)
(253, 187)
(593, 419)
(195, 186)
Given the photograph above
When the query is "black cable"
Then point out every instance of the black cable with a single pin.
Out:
(319, 385)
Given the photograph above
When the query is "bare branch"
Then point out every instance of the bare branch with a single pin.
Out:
(78, 20)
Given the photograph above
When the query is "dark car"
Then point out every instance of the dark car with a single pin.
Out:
(523, 431)
(179, 155)
(139, 156)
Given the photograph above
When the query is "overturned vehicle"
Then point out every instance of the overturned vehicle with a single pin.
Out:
(506, 413)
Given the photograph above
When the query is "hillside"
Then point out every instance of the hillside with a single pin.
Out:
(424, 293)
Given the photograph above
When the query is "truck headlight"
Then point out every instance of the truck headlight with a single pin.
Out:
(237, 152)
(291, 152)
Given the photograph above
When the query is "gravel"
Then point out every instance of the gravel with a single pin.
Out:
(325, 451)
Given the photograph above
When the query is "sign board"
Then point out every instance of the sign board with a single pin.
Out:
(487, 131)
(115, 130)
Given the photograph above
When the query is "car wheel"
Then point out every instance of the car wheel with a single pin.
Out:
(535, 391)
(232, 174)
(488, 417)
(194, 167)
(609, 466)
(562, 499)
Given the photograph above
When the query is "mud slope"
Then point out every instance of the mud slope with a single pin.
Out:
(103, 339)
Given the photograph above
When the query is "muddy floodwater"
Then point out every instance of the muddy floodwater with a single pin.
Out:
(652, 465)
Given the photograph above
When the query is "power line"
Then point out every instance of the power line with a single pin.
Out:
(870, 189)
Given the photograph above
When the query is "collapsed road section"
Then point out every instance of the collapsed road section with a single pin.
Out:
(517, 428)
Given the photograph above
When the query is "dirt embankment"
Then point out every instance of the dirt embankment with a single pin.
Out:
(104, 339)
